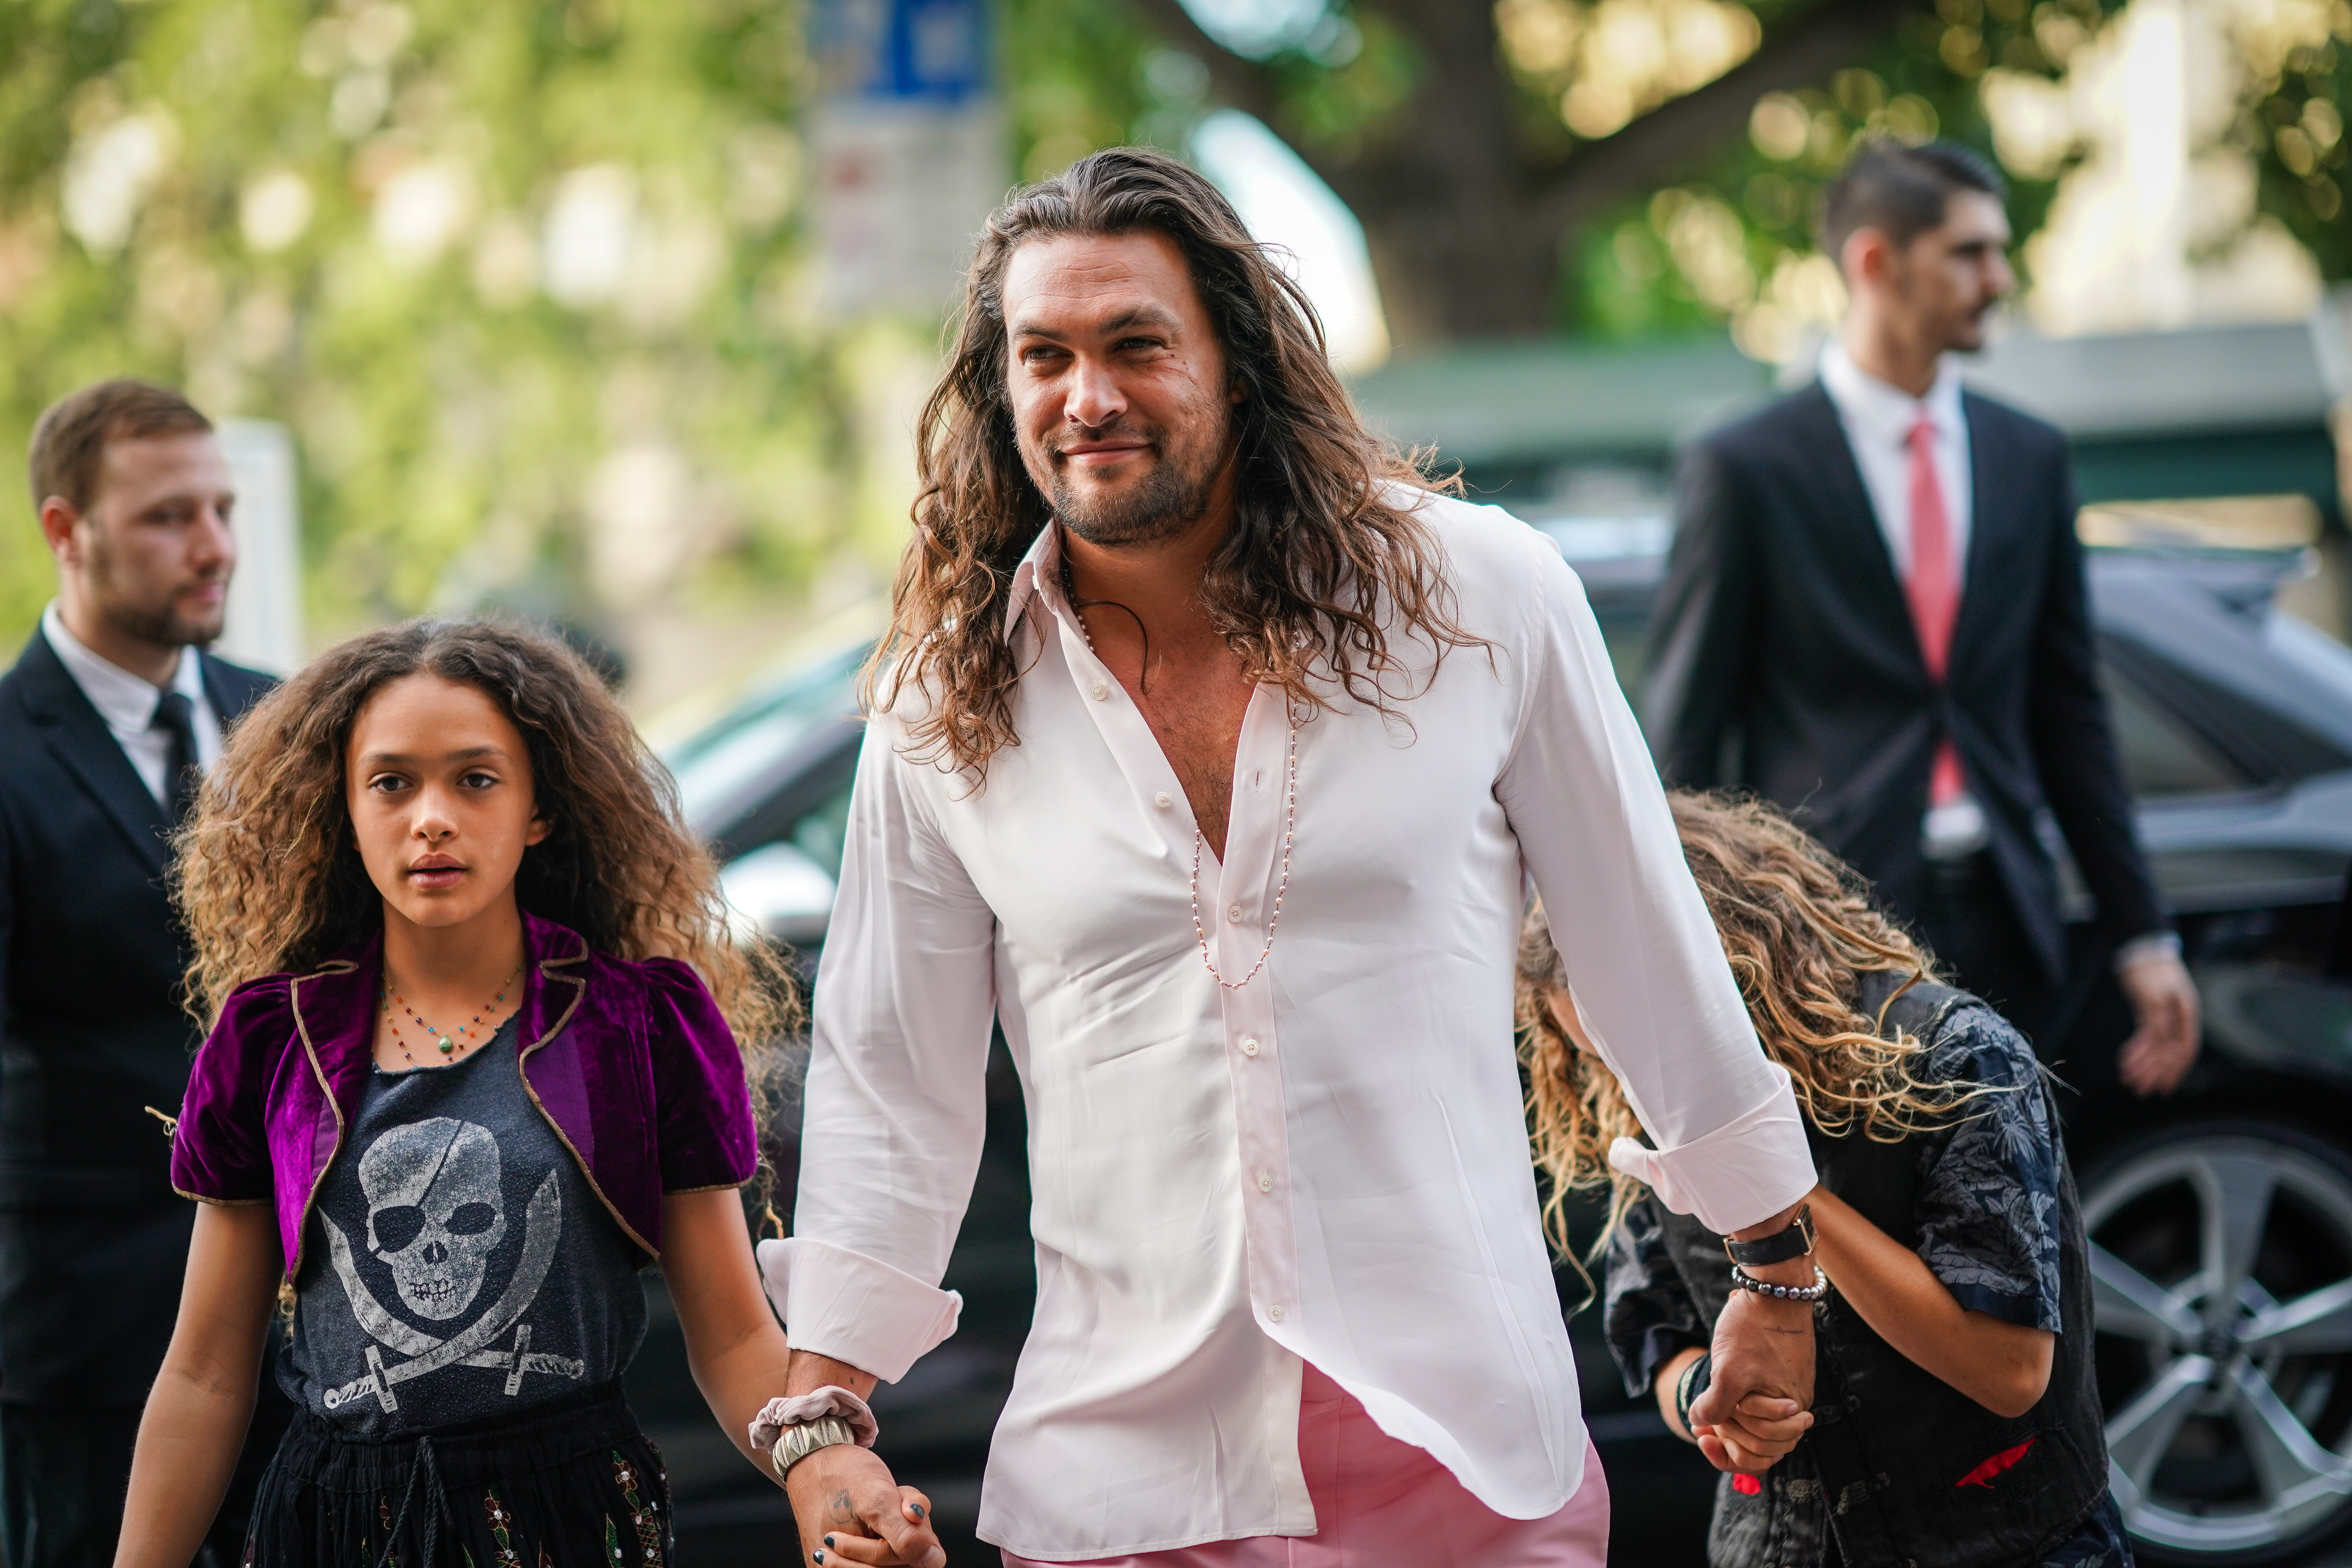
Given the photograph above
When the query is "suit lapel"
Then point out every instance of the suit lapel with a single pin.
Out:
(1855, 537)
(229, 690)
(88, 750)
(1991, 519)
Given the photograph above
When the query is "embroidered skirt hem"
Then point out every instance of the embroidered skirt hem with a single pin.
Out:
(568, 1482)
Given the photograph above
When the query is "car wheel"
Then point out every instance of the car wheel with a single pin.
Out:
(2222, 1271)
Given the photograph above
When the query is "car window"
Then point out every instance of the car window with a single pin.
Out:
(819, 832)
(2161, 758)
(720, 760)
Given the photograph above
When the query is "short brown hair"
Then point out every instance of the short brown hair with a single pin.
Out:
(72, 437)
(1902, 191)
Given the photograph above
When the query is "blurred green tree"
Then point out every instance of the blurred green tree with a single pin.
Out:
(528, 280)
(1632, 166)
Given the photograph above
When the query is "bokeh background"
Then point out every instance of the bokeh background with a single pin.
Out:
(561, 305)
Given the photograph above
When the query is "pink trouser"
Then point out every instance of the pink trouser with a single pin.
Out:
(1380, 1502)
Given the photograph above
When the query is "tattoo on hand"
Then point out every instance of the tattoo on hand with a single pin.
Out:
(840, 1510)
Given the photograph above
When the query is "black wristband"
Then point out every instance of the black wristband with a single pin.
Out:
(1797, 1241)
(1693, 1382)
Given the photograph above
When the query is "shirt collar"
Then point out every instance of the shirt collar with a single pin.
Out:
(126, 701)
(1883, 410)
(1039, 574)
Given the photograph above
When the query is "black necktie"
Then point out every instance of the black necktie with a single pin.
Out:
(176, 716)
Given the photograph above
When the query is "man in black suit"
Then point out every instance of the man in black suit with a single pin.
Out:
(1875, 615)
(106, 723)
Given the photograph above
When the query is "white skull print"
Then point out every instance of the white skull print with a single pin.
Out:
(435, 1210)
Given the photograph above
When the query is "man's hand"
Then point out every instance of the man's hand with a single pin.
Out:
(851, 1510)
(1760, 1393)
(2164, 999)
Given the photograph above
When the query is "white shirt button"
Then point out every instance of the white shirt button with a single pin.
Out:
(1163, 800)
(1275, 1313)
(1233, 913)
(1101, 690)
(1249, 1046)
(1264, 1182)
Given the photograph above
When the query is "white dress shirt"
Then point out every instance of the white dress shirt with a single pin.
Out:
(1878, 418)
(127, 703)
(1330, 1161)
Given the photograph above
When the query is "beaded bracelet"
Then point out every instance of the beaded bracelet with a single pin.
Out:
(1812, 1292)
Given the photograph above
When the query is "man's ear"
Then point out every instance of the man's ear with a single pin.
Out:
(1868, 258)
(58, 521)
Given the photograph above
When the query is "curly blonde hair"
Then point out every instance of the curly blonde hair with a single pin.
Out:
(270, 879)
(1801, 932)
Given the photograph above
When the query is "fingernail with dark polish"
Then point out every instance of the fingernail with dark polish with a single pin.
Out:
(828, 1540)
(915, 1508)
(820, 1557)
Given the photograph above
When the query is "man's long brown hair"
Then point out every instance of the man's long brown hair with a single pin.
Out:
(1326, 563)
(1801, 931)
(271, 877)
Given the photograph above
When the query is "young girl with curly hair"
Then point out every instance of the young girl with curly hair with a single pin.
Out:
(1955, 1421)
(473, 1064)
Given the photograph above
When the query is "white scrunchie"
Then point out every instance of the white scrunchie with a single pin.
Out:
(768, 1426)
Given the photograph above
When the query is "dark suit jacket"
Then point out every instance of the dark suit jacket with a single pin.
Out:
(92, 1238)
(1784, 661)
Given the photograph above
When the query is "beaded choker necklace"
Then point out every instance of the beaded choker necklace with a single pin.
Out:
(446, 1044)
(1289, 826)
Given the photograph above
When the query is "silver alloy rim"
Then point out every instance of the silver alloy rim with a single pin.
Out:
(2220, 1348)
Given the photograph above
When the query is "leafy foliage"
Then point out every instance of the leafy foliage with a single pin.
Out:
(527, 280)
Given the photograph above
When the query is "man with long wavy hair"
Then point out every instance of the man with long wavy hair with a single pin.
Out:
(1211, 746)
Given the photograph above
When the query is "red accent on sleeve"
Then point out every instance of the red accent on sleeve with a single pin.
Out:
(1746, 1485)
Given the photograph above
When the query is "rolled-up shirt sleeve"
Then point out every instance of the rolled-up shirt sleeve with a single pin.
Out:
(1643, 959)
(896, 1109)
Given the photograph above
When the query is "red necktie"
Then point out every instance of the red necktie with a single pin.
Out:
(1934, 590)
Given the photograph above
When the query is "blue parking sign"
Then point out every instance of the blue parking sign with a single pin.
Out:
(927, 52)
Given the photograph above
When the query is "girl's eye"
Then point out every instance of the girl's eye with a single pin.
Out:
(479, 781)
(384, 783)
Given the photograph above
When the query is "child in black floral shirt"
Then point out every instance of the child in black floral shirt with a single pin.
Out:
(1955, 1423)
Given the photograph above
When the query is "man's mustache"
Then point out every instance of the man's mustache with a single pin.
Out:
(1058, 446)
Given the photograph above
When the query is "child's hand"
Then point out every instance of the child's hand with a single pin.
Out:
(1761, 1434)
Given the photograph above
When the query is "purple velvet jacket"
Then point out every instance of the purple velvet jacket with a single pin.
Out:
(631, 1063)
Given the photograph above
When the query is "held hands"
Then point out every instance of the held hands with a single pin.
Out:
(1758, 1400)
(849, 1509)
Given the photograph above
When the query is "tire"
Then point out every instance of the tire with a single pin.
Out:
(2221, 1267)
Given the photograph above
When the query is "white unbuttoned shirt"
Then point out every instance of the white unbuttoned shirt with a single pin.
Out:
(1329, 1163)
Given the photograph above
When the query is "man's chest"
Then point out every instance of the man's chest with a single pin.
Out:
(1083, 843)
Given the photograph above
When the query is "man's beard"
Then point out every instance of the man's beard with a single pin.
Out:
(159, 623)
(1160, 505)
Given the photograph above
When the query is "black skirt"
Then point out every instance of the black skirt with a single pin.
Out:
(565, 1484)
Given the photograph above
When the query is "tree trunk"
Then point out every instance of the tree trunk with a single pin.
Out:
(1468, 222)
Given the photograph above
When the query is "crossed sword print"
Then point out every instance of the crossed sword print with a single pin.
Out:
(470, 1347)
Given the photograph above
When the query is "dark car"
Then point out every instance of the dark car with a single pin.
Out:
(2221, 1217)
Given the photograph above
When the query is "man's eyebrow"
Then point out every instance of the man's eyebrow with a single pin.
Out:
(1137, 316)
(467, 755)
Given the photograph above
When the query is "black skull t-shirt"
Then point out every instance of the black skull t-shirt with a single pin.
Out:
(456, 1263)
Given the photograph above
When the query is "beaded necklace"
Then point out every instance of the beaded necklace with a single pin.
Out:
(1289, 825)
(447, 1044)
